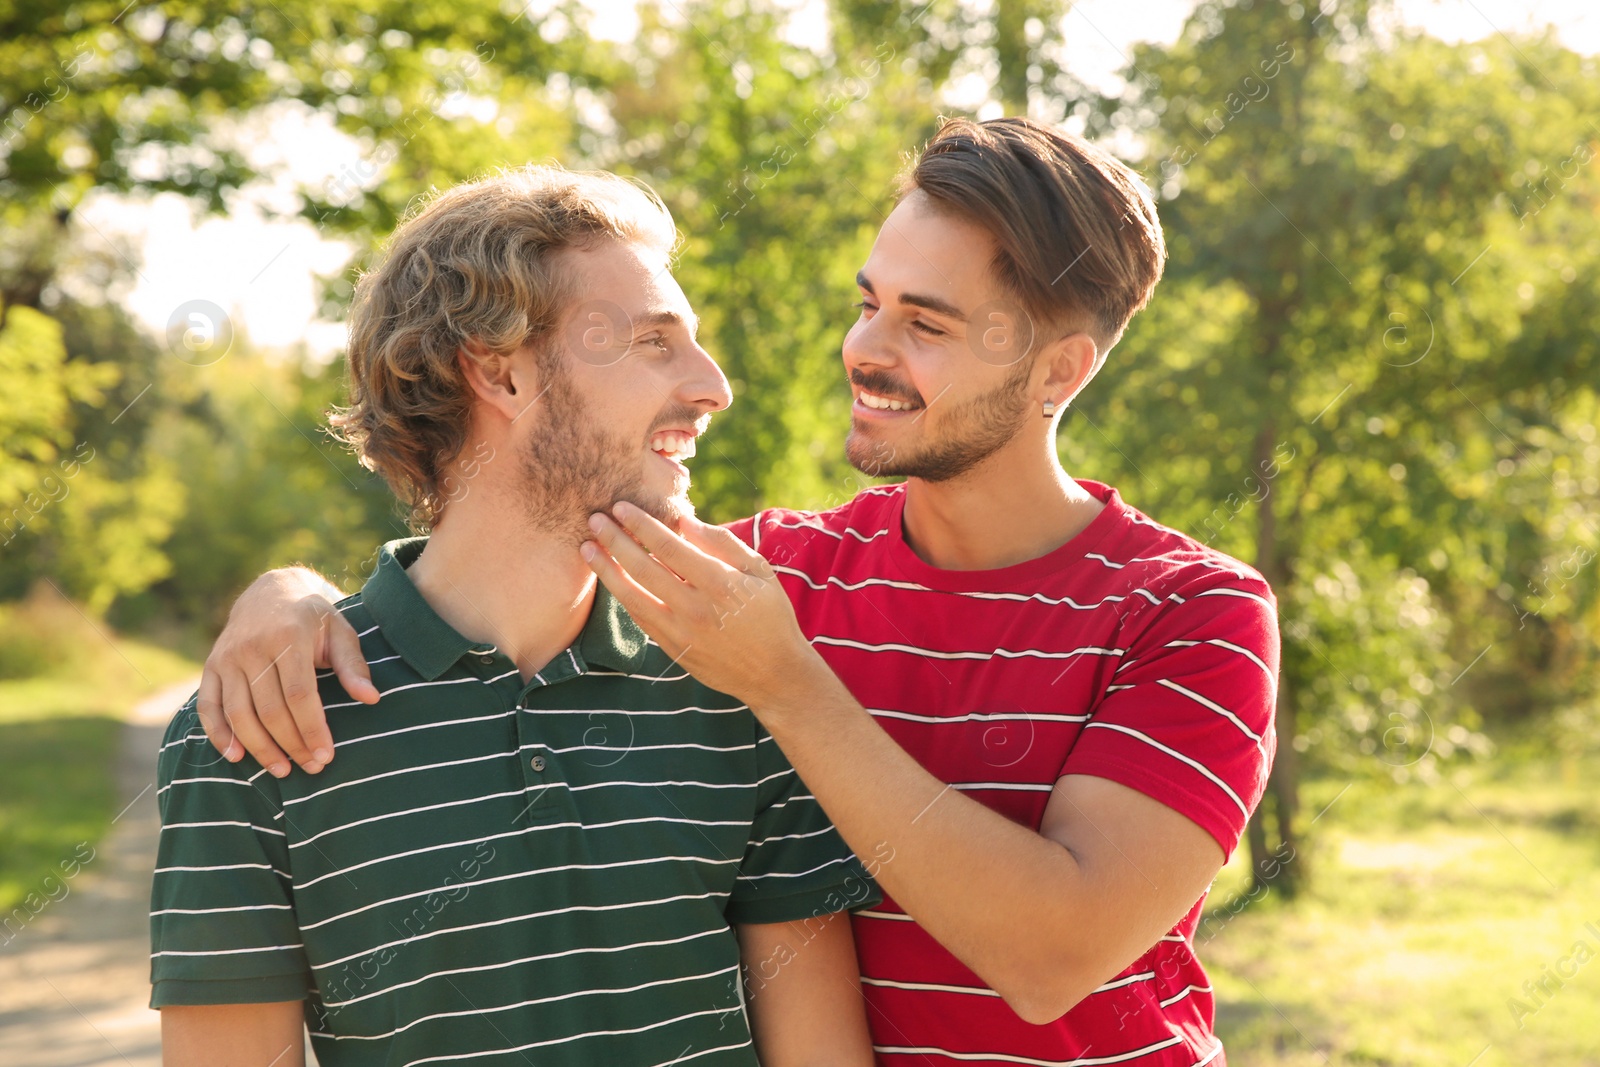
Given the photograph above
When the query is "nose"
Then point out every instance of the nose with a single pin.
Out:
(867, 345)
(705, 387)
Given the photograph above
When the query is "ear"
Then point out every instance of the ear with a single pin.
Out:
(1069, 364)
(505, 385)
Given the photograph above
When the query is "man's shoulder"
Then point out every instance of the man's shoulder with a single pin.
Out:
(356, 612)
(782, 534)
(388, 669)
(184, 746)
(188, 764)
(661, 683)
(1172, 563)
(1180, 592)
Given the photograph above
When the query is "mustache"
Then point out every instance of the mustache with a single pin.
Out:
(881, 384)
(681, 415)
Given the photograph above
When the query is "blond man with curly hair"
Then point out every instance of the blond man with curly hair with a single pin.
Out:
(542, 842)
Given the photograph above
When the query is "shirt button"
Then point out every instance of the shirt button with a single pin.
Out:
(485, 659)
(537, 763)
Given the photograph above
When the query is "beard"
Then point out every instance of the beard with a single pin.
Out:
(970, 433)
(573, 467)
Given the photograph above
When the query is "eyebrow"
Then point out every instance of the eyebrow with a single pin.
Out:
(932, 303)
(672, 318)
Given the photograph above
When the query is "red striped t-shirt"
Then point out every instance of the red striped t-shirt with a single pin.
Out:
(1131, 653)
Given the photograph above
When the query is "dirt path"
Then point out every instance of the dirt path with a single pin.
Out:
(74, 983)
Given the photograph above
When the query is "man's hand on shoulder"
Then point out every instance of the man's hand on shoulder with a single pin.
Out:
(259, 688)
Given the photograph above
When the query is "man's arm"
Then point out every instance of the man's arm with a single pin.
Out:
(227, 965)
(1043, 918)
(804, 993)
(259, 688)
(233, 1035)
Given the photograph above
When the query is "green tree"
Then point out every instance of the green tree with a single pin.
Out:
(1340, 319)
(140, 100)
(754, 143)
(40, 460)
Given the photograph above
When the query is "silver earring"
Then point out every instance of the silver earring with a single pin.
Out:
(1049, 409)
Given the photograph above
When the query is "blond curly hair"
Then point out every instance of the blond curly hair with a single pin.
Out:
(474, 269)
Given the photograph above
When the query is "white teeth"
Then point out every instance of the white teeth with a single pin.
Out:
(883, 403)
(674, 444)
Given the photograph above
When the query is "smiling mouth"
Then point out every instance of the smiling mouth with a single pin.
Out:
(676, 445)
(876, 402)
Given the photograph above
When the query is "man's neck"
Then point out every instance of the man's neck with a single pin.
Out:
(495, 580)
(1015, 506)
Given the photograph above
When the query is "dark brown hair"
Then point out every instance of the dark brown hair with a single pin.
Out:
(1080, 244)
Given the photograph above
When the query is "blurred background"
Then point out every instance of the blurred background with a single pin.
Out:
(1370, 371)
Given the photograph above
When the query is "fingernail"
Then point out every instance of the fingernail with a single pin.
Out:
(234, 753)
(597, 523)
(586, 550)
(621, 509)
(279, 770)
(322, 756)
(311, 766)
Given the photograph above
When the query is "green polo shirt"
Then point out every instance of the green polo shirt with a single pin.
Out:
(491, 871)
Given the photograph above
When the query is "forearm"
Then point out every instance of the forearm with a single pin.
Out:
(999, 896)
(1043, 917)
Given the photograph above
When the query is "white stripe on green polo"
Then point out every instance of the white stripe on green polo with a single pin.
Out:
(490, 871)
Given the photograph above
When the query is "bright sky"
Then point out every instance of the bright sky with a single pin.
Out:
(262, 272)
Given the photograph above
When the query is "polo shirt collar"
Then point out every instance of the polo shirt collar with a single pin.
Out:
(430, 646)
(611, 638)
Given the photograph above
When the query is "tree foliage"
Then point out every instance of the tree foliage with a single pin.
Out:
(1348, 377)
(1369, 370)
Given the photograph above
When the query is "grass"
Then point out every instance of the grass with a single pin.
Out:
(58, 744)
(1430, 908)
(56, 792)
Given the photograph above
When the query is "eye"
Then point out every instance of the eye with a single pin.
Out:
(865, 305)
(926, 330)
(659, 341)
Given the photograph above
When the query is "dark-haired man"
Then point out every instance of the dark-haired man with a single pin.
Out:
(1056, 711)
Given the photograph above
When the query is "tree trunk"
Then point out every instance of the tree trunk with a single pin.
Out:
(1012, 52)
(1280, 862)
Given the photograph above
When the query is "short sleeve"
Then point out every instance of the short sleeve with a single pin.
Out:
(1188, 716)
(796, 865)
(222, 920)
